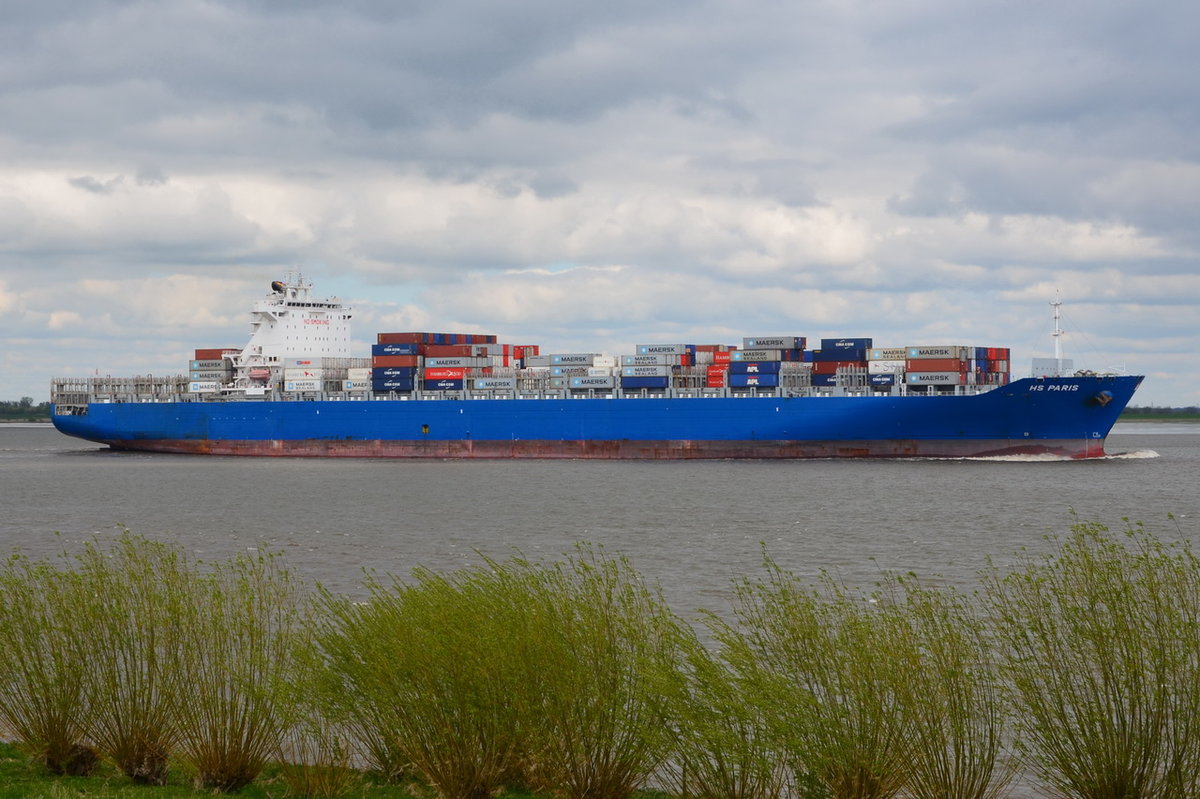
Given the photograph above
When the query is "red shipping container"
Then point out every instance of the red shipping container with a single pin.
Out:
(935, 365)
(715, 382)
(722, 356)
(395, 360)
(445, 373)
(400, 338)
(449, 350)
(215, 354)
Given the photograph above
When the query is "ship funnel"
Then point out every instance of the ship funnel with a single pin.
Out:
(278, 286)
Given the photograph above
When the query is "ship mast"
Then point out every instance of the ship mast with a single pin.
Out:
(1056, 303)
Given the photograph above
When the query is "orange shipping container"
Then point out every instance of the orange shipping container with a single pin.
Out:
(395, 360)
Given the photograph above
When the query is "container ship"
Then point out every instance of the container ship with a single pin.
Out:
(295, 389)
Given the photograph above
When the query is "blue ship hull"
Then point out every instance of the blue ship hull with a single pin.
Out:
(1067, 416)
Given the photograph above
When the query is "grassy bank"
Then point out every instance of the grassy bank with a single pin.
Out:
(132, 669)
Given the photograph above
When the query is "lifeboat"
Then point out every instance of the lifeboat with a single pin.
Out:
(260, 374)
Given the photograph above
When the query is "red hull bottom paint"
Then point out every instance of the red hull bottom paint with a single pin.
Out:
(625, 450)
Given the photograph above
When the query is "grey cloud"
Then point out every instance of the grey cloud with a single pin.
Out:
(91, 184)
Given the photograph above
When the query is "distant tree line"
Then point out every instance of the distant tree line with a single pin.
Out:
(1154, 411)
(24, 409)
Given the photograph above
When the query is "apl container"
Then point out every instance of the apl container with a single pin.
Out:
(755, 368)
(753, 380)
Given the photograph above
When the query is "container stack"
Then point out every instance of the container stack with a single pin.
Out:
(767, 362)
(929, 366)
(407, 361)
(841, 362)
(209, 369)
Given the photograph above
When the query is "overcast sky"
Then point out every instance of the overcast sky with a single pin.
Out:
(591, 176)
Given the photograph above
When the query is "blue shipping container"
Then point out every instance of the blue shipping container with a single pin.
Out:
(442, 385)
(393, 372)
(645, 382)
(395, 349)
(393, 384)
(846, 344)
(824, 380)
(750, 380)
(882, 380)
(754, 367)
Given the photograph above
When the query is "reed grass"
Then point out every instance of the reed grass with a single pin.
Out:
(242, 630)
(43, 679)
(602, 662)
(123, 625)
(956, 705)
(430, 663)
(1101, 650)
(722, 746)
(832, 675)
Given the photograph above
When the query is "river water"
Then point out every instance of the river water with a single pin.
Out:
(691, 526)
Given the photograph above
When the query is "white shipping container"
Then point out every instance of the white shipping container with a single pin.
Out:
(203, 386)
(605, 361)
(358, 373)
(646, 371)
(495, 383)
(953, 351)
(773, 342)
(649, 360)
(599, 372)
(661, 349)
(935, 379)
(293, 373)
(302, 385)
(573, 359)
(304, 363)
(756, 355)
(594, 382)
(885, 367)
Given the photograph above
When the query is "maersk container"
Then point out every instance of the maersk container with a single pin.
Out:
(947, 351)
(754, 355)
(456, 362)
(208, 374)
(573, 359)
(753, 380)
(774, 343)
(936, 378)
(293, 386)
(442, 385)
(203, 386)
(202, 365)
(593, 382)
(645, 382)
(662, 349)
(649, 360)
(755, 368)
(646, 371)
(495, 383)
(398, 348)
(394, 373)
(385, 384)
(568, 371)
(887, 354)
(356, 385)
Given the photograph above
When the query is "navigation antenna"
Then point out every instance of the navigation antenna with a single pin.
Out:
(1058, 333)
